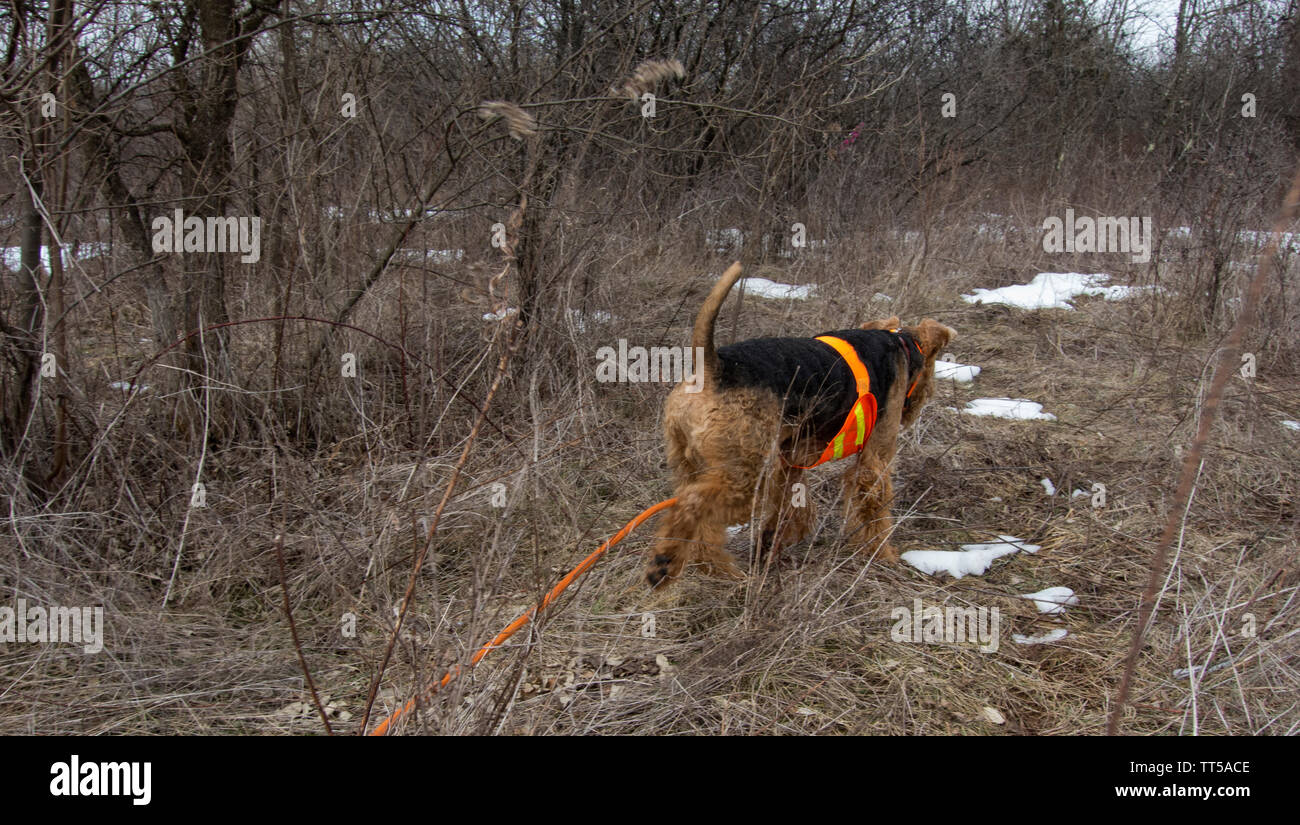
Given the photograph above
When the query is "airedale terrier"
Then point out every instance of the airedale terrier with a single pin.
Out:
(740, 436)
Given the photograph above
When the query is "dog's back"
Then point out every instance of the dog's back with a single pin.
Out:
(814, 381)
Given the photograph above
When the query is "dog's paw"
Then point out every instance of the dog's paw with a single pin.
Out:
(661, 569)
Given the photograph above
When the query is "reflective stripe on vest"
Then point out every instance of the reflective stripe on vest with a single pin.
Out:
(862, 418)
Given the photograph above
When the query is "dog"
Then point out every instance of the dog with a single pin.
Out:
(767, 409)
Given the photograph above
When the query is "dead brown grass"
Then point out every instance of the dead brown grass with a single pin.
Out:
(801, 649)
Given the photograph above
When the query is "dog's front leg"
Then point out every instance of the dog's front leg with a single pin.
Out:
(868, 494)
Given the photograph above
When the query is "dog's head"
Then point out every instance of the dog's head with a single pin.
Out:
(930, 337)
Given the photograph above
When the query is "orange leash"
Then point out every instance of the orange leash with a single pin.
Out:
(527, 616)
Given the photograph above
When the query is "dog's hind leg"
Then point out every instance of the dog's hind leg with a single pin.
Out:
(695, 529)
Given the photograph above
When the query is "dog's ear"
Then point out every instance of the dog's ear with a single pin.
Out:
(932, 336)
(886, 323)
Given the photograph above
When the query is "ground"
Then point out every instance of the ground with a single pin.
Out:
(802, 648)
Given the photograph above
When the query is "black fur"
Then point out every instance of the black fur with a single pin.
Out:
(814, 380)
(659, 570)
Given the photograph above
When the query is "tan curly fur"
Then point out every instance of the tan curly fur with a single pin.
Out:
(732, 453)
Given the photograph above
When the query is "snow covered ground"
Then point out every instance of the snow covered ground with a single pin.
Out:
(1254, 238)
(724, 240)
(764, 288)
(970, 560)
(1051, 290)
(13, 255)
(1052, 600)
(1047, 638)
(1018, 409)
(731, 240)
(952, 371)
(431, 256)
(388, 215)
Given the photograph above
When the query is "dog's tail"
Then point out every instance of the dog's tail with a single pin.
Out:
(703, 338)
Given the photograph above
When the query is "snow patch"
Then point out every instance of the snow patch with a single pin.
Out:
(1018, 409)
(1051, 290)
(952, 371)
(724, 240)
(13, 255)
(433, 256)
(1043, 639)
(1287, 241)
(1053, 600)
(970, 560)
(785, 250)
(764, 288)
(387, 215)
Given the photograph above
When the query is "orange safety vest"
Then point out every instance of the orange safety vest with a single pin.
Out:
(862, 418)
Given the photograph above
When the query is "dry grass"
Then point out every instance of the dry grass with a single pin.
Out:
(805, 648)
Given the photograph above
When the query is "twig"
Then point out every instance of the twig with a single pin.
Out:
(433, 527)
(293, 631)
(516, 220)
(1228, 361)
